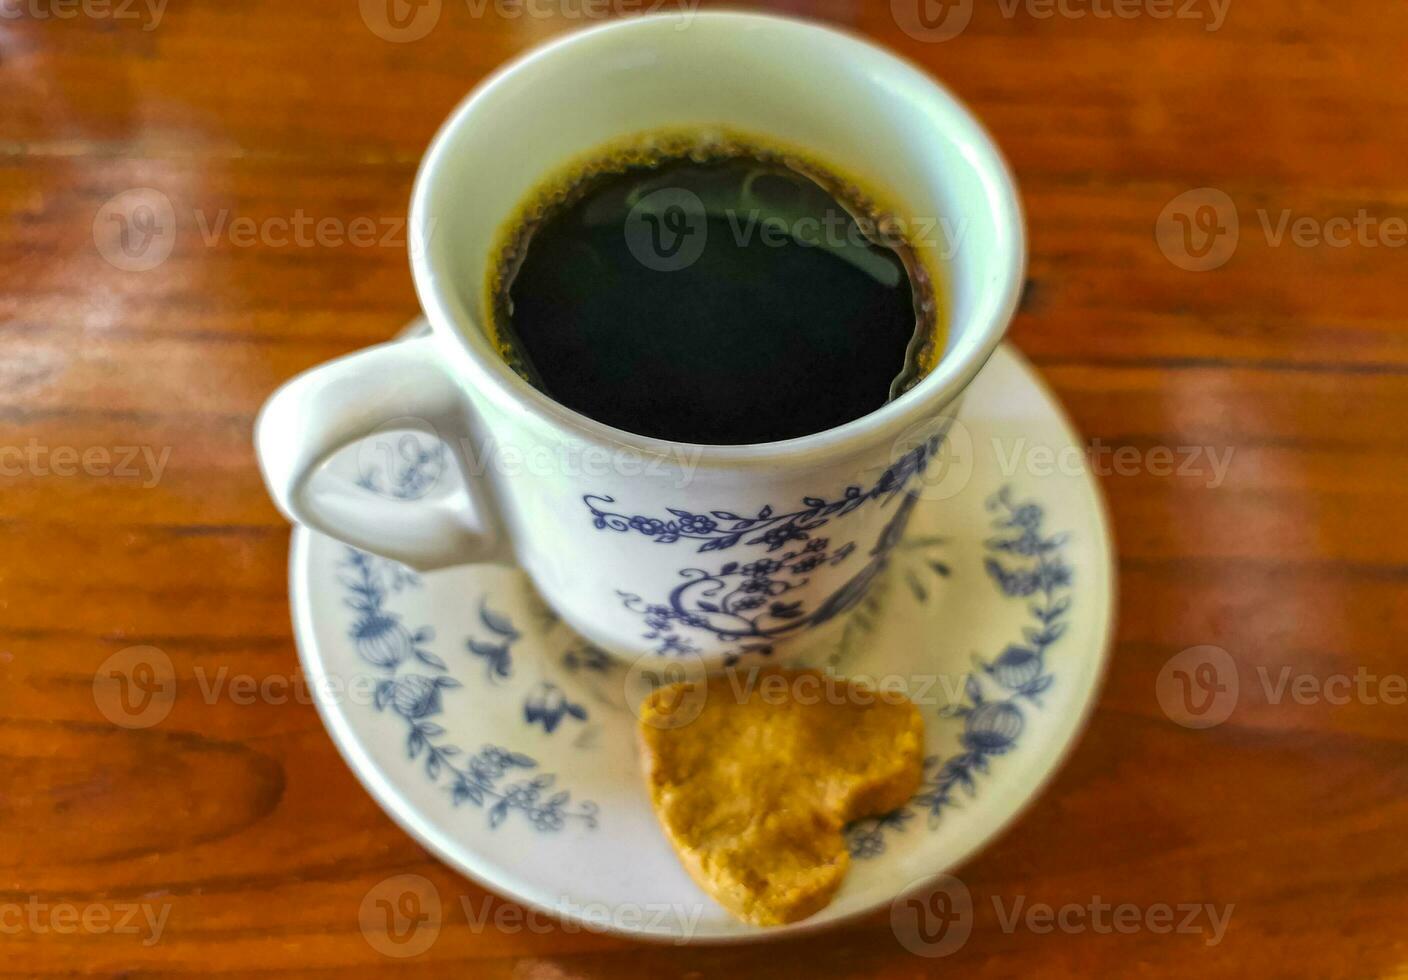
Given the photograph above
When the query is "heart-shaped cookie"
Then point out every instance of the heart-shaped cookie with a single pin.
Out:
(754, 774)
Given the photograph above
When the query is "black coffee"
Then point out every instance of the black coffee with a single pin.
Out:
(722, 300)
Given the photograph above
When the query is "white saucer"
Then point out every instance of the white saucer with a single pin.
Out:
(503, 742)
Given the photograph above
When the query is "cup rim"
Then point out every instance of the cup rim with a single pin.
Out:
(491, 376)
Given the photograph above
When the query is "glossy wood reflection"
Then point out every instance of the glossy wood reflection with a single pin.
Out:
(240, 820)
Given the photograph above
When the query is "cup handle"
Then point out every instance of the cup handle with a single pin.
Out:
(330, 406)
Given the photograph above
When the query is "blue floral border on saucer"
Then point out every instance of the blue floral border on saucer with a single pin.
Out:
(996, 693)
(411, 688)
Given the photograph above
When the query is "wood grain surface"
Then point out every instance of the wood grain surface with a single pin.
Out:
(239, 827)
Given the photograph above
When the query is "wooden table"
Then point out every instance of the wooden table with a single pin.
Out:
(239, 824)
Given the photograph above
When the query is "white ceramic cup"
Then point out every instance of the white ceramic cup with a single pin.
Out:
(646, 546)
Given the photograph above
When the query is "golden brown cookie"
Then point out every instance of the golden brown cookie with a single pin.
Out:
(754, 774)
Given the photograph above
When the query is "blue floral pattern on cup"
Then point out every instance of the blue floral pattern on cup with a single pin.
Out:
(411, 468)
(720, 530)
(749, 600)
